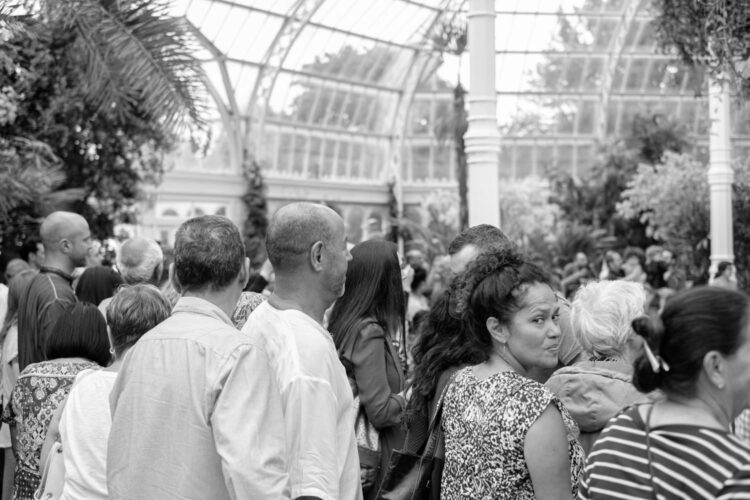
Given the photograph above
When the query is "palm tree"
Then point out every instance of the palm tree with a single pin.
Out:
(127, 62)
(138, 59)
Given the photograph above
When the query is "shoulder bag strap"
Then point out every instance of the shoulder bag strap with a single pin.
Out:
(435, 431)
(649, 458)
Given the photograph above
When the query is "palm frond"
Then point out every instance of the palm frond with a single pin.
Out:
(30, 174)
(139, 61)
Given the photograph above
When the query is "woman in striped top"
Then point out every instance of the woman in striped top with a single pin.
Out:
(698, 354)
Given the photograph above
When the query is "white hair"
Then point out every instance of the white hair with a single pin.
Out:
(602, 313)
(138, 259)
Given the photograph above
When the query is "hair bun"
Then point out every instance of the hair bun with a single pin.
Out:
(492, 260)
(650, 368)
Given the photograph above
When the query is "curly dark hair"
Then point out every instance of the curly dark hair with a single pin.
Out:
(441, 344)
(492, 287)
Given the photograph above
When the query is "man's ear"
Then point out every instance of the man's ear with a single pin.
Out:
(65, 246)
(316, 256)
(244, 275)
(174, 279)
(498, 331)
(156, 277)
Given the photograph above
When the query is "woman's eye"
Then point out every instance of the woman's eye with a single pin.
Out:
(556, 317)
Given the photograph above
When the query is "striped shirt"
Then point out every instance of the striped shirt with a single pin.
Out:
(688, 462)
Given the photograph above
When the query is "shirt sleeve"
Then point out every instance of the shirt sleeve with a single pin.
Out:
(248, 430)
(369, 357)
(311, 418)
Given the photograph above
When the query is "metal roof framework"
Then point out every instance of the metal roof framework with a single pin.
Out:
(354, 89)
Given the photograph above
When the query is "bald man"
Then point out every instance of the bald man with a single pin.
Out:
(139, 260)
(307, 247)
(67, 242)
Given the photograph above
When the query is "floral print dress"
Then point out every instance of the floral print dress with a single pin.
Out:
(485, 423)
(40, 389)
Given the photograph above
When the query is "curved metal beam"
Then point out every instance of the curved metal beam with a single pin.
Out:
(616, 45)
(230, 113)
(421, 61)
(294, 22)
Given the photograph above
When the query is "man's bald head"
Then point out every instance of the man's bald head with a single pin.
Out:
(60, 225)
(294, 229)
(66, 234)
(140, 260)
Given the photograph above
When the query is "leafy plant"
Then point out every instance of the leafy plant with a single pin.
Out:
(707, 35)
(256, 222)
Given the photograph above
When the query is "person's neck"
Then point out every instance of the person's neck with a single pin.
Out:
(702, 411)
(499, 363)
(309, 302)
(115, 366)
(225, 299)
(59, 262)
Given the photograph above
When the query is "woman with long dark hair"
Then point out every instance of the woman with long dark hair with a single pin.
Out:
(78, 341)
(365, 323)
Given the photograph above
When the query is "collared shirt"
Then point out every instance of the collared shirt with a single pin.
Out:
(41, 304)
(194, 414)
(312, 388)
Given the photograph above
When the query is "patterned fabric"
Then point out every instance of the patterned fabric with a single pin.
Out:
(245, 305)
(742, 426)
(40, 389)
(485, 424)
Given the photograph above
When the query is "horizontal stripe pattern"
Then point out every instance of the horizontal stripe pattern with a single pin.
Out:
(689, 462)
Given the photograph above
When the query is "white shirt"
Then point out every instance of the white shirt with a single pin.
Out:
(84, 429)
(5, 430)
(194, 415)
(312, 388)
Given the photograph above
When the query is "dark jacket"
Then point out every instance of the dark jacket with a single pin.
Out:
(40, 306)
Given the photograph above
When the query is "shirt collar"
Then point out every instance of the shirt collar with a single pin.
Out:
(196, 305)
(59, 272)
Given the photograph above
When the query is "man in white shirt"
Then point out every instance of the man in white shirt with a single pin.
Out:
(307, 246)
(194, 410)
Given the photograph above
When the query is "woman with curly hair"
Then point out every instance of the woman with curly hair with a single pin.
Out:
(506, 435)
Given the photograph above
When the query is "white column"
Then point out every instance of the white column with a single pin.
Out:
(720, 174)
(482, 137)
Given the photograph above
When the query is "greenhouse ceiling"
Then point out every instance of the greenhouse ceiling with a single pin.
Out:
(348, 89)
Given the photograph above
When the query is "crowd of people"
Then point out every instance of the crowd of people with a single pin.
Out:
(186, 381)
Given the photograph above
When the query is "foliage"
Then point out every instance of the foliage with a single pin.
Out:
(672, 198)
(525, 208)
(592, 200)
(255, 224)
(100, 88)
(432, 225)
(712, 35)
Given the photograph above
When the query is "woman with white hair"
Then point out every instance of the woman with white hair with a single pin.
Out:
(598, 387)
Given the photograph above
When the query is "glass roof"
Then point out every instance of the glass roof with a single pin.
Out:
(352, 89)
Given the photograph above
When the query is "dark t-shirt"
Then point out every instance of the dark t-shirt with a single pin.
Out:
(40, 306)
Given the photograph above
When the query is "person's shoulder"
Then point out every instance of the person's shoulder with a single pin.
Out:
(369, 328)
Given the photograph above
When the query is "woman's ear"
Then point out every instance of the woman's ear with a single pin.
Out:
(716, 369)
(498, 331)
